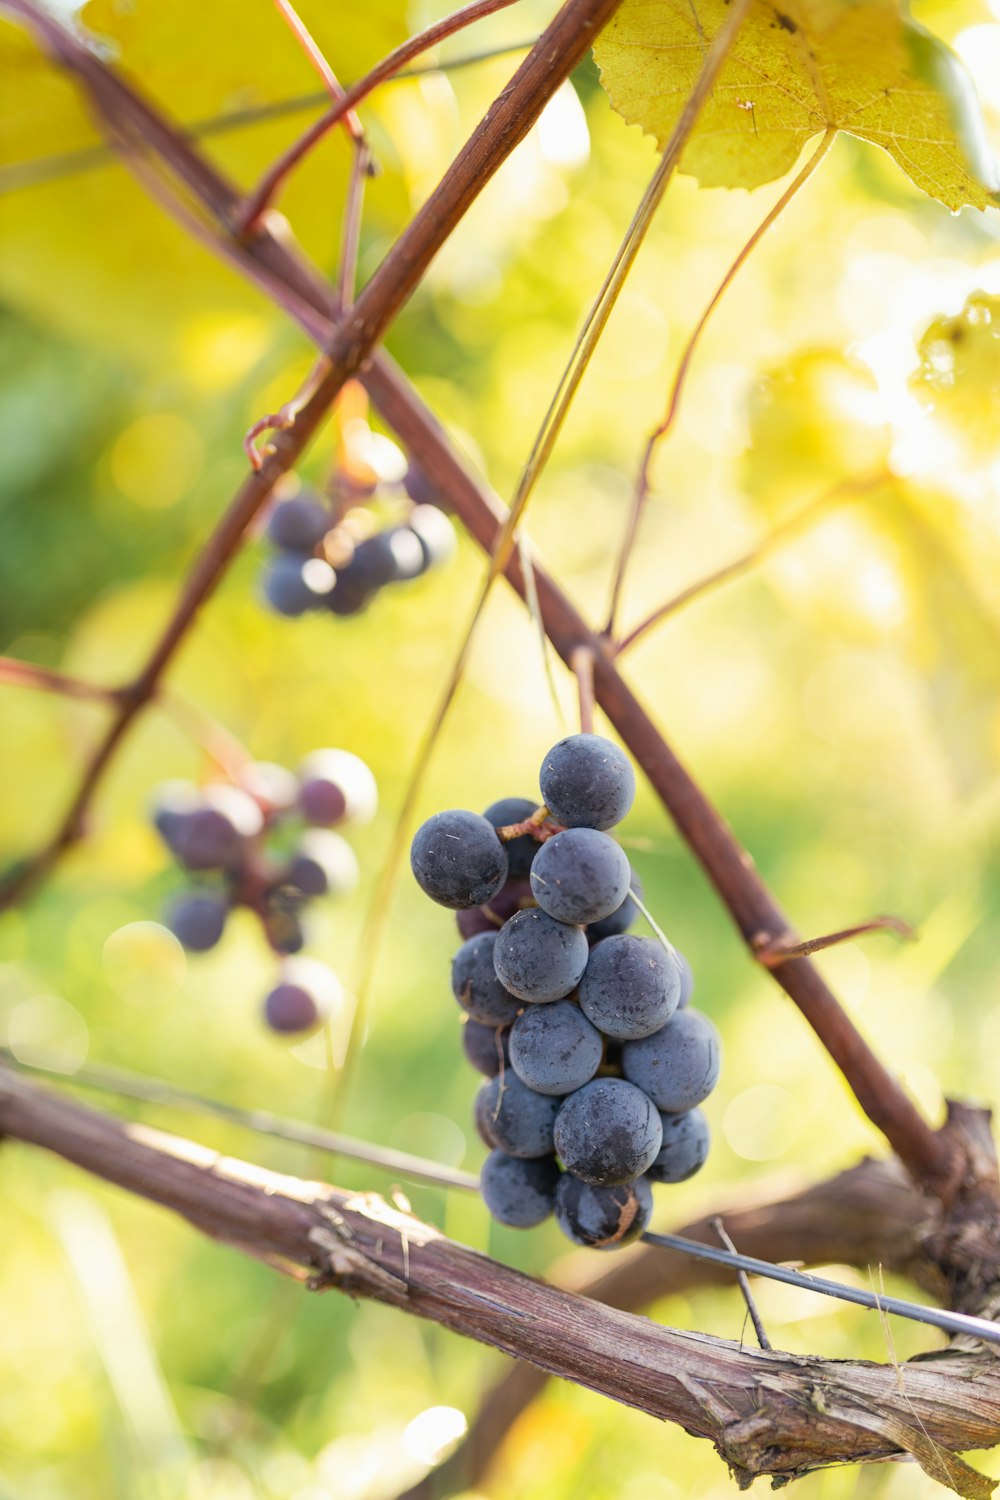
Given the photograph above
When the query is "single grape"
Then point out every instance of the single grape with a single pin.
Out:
(678, 1066)
(608, 1132)
(323, 864)
(486, 1046)
(306, 994)
(390, 556)
(349, 596)
(336, 787)
(539, 959)
(513, 895)
(580, 876)
(631, 986)
(434, 532)
(687, 980)
(519, 1193)
(294, 582)
(419, 487)
(685, 1147)
(458, 860)
(602, 1218)
(214, 835)
(475, 919)
(173, 802)
(298, 525)
(522, 850)
(283, 928)
(197, 920)
(554, 1049)
(475, 985)
(587, 782)
(621, 918)
(513, 1118)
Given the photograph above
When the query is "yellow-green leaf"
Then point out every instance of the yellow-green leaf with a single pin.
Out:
(959, 375)
(795, 71)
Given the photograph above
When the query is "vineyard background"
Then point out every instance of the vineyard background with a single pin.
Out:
(839, 703)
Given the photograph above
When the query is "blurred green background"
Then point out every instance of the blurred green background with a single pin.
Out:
(840, 704)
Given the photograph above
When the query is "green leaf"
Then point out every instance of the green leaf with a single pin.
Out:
(795, 71)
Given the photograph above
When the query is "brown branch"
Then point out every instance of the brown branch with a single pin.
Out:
(506, 123)
(766, 1412)
(270, 184)
(280, 269)
(870, 1215)
(15, 673)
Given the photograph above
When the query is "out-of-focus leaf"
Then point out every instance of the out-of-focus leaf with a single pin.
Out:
(796, 70)
(151, 282)
(814, 421)
(959, 375)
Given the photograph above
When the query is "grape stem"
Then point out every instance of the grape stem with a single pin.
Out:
(582, 665)
(772, 952)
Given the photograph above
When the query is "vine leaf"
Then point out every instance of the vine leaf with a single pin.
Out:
(797, 69)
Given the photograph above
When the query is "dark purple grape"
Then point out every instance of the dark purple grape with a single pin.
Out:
(298, 525)
(678, 1066)
(173, 802)
(295, 582)
(419, 487)
(476, 919)
(323, 864)
(539, 959)
(554, 1049)
(197, 920)
(685, 1147)
(587, 782)
(631, 986)
(486, 1046)
(519, 1193)
(390, 556)
(621, 919)
(603, 1218)
(513, 1118)
(608, 1132)
(336, 786)
(458, 860)
(522, 850)
(349, 596)
(475, 985)
(580, 876)
(304, 996)
(214, 835)
(434, 532)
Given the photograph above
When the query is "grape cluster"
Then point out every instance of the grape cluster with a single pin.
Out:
(268, 844)
(595, 1063)
(339, 561)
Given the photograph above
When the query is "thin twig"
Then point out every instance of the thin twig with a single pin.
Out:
(320, 66)
(270, 184)
(19, 175)
(844, 491)
(27, 674)
(582, 664)
(772, 952)
(744, 1285)
(642, 482)
(130, 1085)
